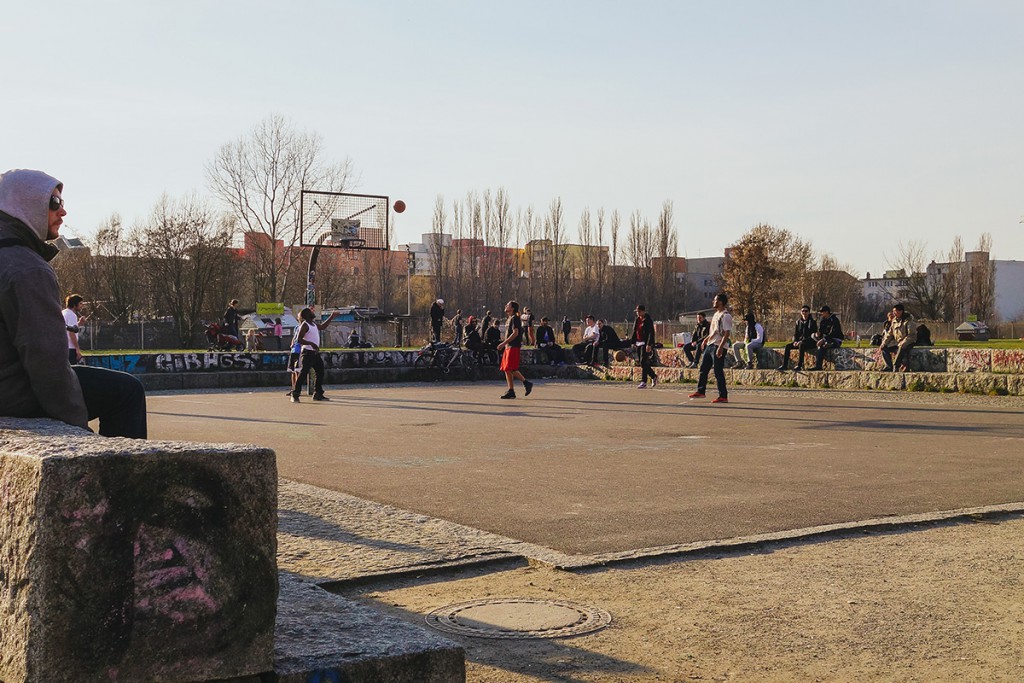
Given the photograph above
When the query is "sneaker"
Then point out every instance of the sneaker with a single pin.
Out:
(782, 368)
(654, 381)
(642, 385)
(529, 386)
(509, 394)
(721, 399)
(697, 394)
(320, 397)
(798, 368)
(295, 399)
(692, 365)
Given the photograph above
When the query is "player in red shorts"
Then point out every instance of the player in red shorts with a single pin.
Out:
(512, 344)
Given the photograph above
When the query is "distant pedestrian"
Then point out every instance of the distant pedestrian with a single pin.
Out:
(643, 338)
(279, 333)
(457, 324)
(72, 320)
(715, 346)
(511, 346)
(231, 318)
(566, 328)
(436, 319)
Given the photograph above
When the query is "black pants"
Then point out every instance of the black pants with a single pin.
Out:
(688, 349)
(819, 353)
(310, 360)
(583, 352)
(710, 359)
(804, 346)
(116, 398)
(435, 327)
(646, 360)
(902, 356)
(553, 353)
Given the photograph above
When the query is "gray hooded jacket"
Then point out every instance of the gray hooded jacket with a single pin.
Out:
(36, 379)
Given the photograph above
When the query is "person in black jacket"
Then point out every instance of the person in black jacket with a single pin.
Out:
(546, 342)
(803, 339)
(566, 328)
(643, 338)
(700, 330)
(607, 340)
(436, 319)
(829, 335)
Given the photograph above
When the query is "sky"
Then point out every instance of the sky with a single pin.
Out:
(858, 125)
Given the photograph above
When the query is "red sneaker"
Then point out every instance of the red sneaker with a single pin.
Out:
(720, 400)
(696, 394)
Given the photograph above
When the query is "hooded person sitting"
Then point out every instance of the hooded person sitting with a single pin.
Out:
(36, 379)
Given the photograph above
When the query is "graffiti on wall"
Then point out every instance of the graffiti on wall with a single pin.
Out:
(156, 549)
(242, 362)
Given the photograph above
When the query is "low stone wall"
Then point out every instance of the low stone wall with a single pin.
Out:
(931, 369)
(134, 560)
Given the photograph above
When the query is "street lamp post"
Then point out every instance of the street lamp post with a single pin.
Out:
(411, 263)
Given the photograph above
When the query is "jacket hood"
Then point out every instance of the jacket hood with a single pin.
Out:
(25, 195)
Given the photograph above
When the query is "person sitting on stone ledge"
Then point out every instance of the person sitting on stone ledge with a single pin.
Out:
(36, 379)
(753, 340)
(591, 335)
(803, 339)
(547, 344)
(700, 330)
(899, 339)
(829, 336)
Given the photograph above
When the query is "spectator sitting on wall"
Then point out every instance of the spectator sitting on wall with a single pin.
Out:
(591, 334)
(900, 339)
(353, 340)
(546, 342)
(753, 340)
(700, 330)
(609, 340)
(803, 339)
(492, 337)
(36, 379)
(828, 336)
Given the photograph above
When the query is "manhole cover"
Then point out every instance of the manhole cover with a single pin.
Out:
(518, 618)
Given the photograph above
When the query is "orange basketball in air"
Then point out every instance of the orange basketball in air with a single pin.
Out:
(399, 206)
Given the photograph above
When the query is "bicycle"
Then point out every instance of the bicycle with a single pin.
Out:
(444, 357)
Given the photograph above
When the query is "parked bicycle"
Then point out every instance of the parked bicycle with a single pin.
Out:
(444, 357)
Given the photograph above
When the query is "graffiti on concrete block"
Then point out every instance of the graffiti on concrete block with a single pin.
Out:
(157, 551)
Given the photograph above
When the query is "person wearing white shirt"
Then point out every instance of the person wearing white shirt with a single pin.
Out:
(752, 341)
(715, 346)
(591, 335)
(72, 307)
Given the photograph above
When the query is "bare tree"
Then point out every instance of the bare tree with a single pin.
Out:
(982, 279)
(440, 263)
(117, 270)
(184, 247)
(926, 290)
(260, 177)
(667, 246)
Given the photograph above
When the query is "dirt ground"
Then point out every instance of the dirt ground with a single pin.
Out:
(937, 602)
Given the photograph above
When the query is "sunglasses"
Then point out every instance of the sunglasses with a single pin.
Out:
(56, 203)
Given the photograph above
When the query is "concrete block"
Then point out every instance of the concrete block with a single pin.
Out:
(323, 637)
(884, 381)
(1008, 361)
(969, 360)
(1015, 385)
(928, 359)
(126, 560)
(981, 383)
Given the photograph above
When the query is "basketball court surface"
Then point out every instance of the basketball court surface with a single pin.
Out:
(586, 468)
